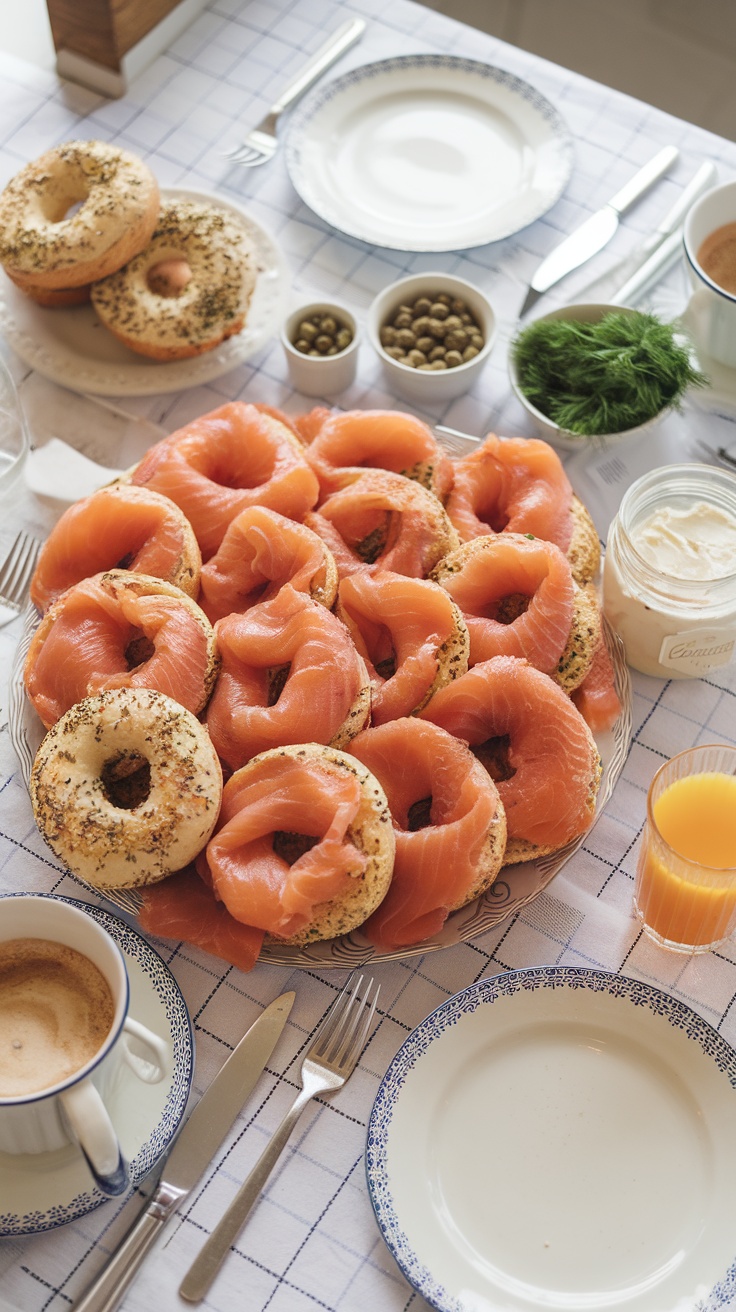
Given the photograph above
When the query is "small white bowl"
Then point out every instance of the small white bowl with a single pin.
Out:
(547, 428)
(423, 385)
(320, 375)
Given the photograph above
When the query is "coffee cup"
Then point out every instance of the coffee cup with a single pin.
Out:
(65, 1033)
(709, 239)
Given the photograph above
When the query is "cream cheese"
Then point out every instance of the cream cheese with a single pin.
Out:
(695, 542)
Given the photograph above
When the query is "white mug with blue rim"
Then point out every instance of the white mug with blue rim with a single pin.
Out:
(65, 1032)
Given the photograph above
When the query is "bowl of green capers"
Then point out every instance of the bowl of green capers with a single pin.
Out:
(321, 345)
(433, 334)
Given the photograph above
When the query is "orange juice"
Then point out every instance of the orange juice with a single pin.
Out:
(686, 881)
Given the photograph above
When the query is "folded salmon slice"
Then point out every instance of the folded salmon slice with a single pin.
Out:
(410, 635)
(345, 442)
(290, 674)
(184, 908)
(551, 760)
(237, 456)
(448, 822)
(260, 552)
(284, 795)
(596, 698)
(513, 484)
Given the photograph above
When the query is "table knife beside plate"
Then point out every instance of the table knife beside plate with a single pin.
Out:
(592, 235)
(193, 1150)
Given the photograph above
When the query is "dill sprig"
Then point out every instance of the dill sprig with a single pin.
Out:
(604, 377)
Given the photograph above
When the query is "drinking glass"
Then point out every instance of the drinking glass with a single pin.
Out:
(685, 896)
(13, 431)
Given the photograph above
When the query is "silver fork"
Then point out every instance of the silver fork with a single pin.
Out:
(260, 144)
(331, 1059)
(15, 575)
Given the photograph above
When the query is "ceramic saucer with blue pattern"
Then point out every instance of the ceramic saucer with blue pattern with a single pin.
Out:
(40, 1192)
(560, 1138)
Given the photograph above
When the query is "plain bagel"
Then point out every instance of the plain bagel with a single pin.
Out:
(53, 254)
(126, 788)
(175, 317)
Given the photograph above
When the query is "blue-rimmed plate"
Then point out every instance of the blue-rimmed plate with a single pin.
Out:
(428, 153)
(40, 1192)
(560, 1138)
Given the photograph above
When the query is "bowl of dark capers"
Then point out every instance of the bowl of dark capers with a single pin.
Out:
(433, 334)
(321, 345)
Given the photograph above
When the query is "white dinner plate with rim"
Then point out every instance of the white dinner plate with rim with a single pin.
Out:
(42, 1191)
(428, 153)
(559, 1138)
(72, 347)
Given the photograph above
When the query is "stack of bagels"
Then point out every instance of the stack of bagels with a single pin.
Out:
(85, 221)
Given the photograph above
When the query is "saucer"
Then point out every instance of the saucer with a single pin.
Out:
(45, 1190)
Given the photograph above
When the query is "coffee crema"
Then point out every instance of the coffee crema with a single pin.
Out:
(56, 1009)
(717, 257)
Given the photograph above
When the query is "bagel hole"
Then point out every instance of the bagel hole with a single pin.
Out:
(374, 542)
(126, 780)
(276, 683)
(139, 650)
(290, 846)
(169, 278)
(419, 815)
(493, 516)
(508, 609)
(493, 755)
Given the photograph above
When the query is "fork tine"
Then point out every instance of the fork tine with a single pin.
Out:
(24, 575)
(360, 1032)
(10, 564)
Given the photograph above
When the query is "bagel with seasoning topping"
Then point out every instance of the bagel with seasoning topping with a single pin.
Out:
(126, 788)
(154, 309)
(54, 255)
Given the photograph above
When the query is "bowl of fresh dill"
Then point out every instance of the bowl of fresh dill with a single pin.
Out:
(599, 372)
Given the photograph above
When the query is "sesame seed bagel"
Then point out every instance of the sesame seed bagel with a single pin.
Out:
(46, 252)
(584, 552)
(126, 788)
(585, 633)
(370, 832)
(191, 317)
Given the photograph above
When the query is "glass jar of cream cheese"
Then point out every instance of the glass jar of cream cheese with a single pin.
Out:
(669, 578)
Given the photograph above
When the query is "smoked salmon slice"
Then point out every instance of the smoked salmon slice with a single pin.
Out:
(185, 909)
(260, 552)
(303, 845)
(118, 527)
(232, 458)
(533, 740)
(516, 594)
(512, 484)
(347, 441)
(449, 826)
(410, 635)
(596, 698)
(290, 674)
(384, 521)
(115, 630)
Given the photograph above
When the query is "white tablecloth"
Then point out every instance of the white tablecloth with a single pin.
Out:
(312, 1244)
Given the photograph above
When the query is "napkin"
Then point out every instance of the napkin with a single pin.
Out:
(57, 470)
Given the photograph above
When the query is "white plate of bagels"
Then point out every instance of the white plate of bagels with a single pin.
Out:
(71, 345)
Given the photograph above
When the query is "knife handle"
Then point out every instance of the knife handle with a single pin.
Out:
(642, 180)
(107, 1289)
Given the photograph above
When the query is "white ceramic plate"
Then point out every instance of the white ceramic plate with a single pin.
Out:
(428, 153)
(49, 1189)
(559, 1138)
(71, 346)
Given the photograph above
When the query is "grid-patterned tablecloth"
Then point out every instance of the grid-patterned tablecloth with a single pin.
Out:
(312, 1244)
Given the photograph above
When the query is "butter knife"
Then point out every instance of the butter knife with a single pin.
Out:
(595, 232)
(192, 1152)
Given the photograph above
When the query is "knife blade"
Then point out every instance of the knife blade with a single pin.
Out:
(592, 235)
(193, 1150)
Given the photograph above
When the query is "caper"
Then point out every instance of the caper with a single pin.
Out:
(425, 344)
(343, 338)
(457, 340)
(421, 325)
(423, 305)
(328, 326)
(439, 310)
(406, 338)
(322, 335)
(323, 343)
(307, 330)
(470, 353)
(438, 331)
(388, 335)
(437, 353)
(415, 358)
(453, 359)
(403, 320)
(302, 345)
(453, 321)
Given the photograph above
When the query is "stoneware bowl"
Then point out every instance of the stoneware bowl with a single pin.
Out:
(559, 437)
(320, 375)
(419, 385)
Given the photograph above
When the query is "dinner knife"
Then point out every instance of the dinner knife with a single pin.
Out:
(193, 1150)
(595, 232)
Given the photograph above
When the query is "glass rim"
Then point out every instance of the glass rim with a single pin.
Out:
(688, 751)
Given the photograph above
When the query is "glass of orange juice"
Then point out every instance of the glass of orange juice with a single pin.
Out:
(685, 892)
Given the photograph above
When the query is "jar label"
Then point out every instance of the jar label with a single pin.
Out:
(698, 651)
